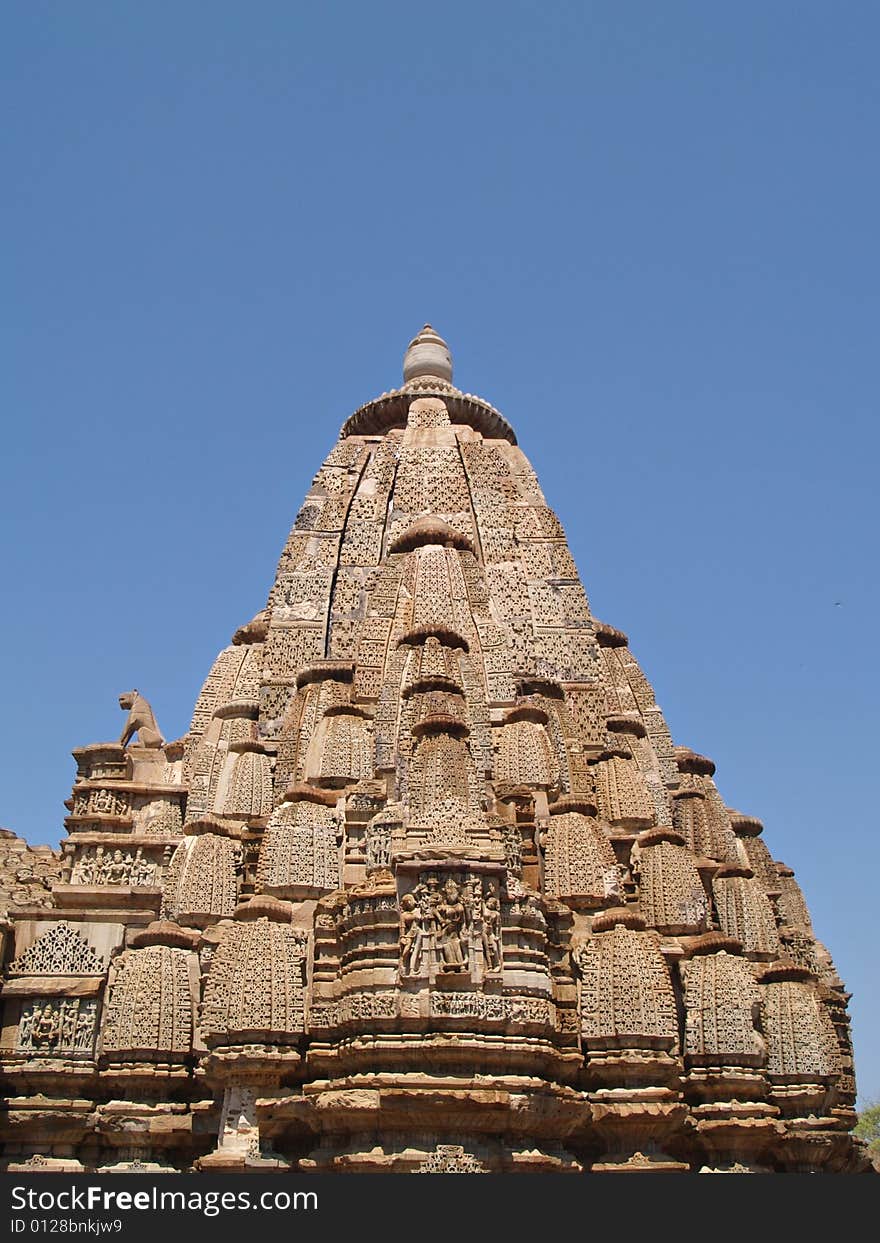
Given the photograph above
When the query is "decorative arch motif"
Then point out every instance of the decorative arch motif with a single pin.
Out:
(720, 998)
(60, 951)
(149, 1005)
(257, 985)
(626, 992)
(201, 883)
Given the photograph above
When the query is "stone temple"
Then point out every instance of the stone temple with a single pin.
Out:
(427, 886)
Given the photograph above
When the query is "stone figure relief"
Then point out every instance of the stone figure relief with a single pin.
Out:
(48, 1027)
(378, 845)
(451, 921)
(444, 920)
(97, 866)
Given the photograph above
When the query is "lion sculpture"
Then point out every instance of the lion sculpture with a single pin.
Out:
(140, 721)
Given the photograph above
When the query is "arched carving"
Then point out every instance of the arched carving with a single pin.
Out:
(256, 986)
(721, 1000)
(744, 912)
(623, 798)
(672, 897)
(300, 854)
(525, 755)
(149, 1005)
(626, 995)
(250, 790)
(201, 883)
(579, 864)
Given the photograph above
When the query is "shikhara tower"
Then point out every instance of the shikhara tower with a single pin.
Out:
(427, 886)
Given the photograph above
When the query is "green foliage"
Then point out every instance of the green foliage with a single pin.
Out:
(868, 1127)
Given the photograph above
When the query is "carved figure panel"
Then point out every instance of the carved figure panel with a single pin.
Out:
(446, 921)
(99, 866)
(52, 1027)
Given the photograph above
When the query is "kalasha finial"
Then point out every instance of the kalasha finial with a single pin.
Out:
(428, 354)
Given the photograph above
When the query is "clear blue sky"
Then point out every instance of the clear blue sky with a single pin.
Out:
(649, 233)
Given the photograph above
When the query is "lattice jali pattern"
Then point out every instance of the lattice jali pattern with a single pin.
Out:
(744, 912)
(60, 951)
(525, 756)
(791, 904)
(250, 790)
(149, 1006)
(451, 1159)
(760, 860)
(342, 749)
(625, 991)
(671, 895)
(623, 798)
(579, 863)
(799, 1034)
(202, 879)
(256, 987)
(720, 998)
(441, 770)
(301, 850)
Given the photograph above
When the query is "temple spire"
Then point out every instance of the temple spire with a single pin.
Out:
(427, 355)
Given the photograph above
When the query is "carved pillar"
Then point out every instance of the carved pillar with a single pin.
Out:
(253, 1023)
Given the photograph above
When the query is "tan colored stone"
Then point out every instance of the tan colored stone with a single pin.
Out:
(426, 887)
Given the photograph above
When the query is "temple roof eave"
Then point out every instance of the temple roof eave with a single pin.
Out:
(390, 410)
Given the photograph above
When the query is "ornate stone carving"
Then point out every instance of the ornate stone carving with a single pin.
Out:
(256, 987)
(250, 790)
(140, 721)
(97, 866)
(721, 1003)
(579, 864)
(525, 756)
(671, 895)
(451, 1159)
(446, 920)
(149, 1005)
(744, 911)
(623, 798)
(625, 992)
(56, 1027)
(300, 854)
(59, 951)
(438, 869)
(800, 1038)
(101, 801)
(201, 881)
